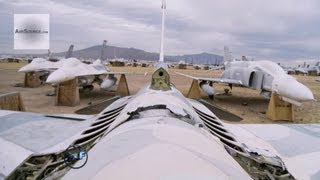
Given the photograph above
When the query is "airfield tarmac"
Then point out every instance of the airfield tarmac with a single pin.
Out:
(243, 102)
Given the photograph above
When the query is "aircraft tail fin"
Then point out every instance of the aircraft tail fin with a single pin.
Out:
(304, 64)
(104, 45)
(160, 77)
(163, 8)
(244, 58)
(227, 55)
(69, 53)
(49, 53)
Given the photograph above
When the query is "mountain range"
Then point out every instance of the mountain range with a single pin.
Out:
(111, 52)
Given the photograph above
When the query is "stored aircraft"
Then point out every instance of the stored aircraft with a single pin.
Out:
(155, 134)
(45, 65)
(87, 74)
(266, 76)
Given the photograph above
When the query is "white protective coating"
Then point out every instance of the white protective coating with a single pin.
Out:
(23, 134)
(291, 90)
(173, 100)
(40, 64)
(11, 156)
(159, 148)
(296, 144)
(74, 68)
(158, 143)
(283, 84)
(275, 80)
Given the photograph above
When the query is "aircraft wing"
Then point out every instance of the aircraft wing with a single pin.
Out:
(217, 68)
(297, 144)
(215, 80)
(86, 73)
(24, 134)
(118, 73)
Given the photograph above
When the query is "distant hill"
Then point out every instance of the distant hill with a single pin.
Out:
(131, 53)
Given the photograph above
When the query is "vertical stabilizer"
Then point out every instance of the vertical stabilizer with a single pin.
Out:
(160, 78)
(104, 45)
(244, 58)
(304, 64)
(163, 8)
(227, 55)
(69, 53)
(49, 54)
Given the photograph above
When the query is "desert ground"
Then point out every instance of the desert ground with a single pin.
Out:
(243, 102)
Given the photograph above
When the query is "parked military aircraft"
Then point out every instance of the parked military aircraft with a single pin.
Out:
(302, 69)
(87, 74)
(155, 134)
(288, 70)
(315, 69)
(266, 76)
(45, 65)
(181, 65)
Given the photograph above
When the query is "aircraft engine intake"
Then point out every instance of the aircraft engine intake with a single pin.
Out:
(239, 73)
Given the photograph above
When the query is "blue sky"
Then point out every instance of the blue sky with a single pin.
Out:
(286, 29)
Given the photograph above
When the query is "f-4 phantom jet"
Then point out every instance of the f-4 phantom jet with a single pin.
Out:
(266, 76)
(155, 134)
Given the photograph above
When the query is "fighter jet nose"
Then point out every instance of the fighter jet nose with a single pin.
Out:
(305, 94)
(52, 78)
(291, 88)
(24, 69)
(302, 92)
(21, 69)
(58, 76)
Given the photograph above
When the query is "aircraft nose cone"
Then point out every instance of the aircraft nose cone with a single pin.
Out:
(291, 88)
(58, 76)
(303, 93)
(25, 68)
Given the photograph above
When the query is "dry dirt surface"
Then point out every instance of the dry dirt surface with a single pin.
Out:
(242, 102)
